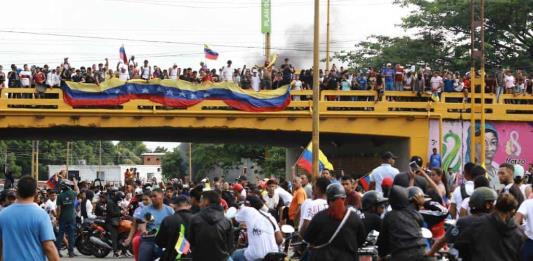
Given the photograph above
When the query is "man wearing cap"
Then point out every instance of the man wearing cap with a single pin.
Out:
(506, 176)
(386, 169)
(322, 228)
(388, 74)
(173, 225)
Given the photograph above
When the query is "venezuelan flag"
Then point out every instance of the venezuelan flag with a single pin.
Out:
(52, 181)
(122, 54)
(365, 182)
(306, 160)
(182, 245)
(173, 93)
(210, 54)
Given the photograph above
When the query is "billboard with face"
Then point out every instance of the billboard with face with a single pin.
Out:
(510, 142)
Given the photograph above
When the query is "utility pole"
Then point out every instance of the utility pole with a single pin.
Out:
(5, 161)
(477, 56)
(316, 91)
(35, 159)
(100, 156)
(327, 36)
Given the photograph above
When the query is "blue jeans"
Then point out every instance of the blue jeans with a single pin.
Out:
(148, 250)
(389, 85)
(66, 227)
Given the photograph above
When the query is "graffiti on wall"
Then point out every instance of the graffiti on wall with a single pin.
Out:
(510, 142)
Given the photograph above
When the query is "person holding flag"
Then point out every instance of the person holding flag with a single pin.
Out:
(210, 54)
(173, 230)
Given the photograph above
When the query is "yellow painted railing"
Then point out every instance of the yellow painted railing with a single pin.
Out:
(332, 104)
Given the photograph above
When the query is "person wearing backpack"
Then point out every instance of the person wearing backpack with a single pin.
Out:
(337, 232)
(173, 227)
(463, 191)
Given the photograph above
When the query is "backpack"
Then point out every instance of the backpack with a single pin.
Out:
(464, 194)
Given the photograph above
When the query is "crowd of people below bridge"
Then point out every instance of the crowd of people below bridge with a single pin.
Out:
(267, 77)
(491, 222)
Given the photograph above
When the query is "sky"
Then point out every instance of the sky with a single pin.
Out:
(174, 31)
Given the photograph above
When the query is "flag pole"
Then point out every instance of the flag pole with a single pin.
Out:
(316, 90)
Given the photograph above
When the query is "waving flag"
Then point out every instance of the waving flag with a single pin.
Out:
(173, 93)
(210, 54)
(182, 245)
(52, 181)
(122, 53)
(306, 160)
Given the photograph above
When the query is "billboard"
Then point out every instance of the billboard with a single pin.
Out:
(265, 16)
(510, 142)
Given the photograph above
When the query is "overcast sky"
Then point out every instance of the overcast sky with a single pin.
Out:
(174, 31)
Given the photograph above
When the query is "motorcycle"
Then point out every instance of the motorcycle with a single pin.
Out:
(83, 244)
(369, 250)
(97, 240)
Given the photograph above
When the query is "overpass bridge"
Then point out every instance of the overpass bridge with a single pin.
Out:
(403, 122)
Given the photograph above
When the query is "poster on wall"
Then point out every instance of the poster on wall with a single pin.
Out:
(510, 142)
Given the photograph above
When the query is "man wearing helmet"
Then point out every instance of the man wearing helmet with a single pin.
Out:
(374, 205)
(325, 243)
(400, 234)
(481, 203)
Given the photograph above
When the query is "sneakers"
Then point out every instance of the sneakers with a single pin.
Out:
(71, 255)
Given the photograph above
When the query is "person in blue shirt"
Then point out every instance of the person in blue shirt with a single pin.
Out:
(434, 160)
(449, 83)
(388, 75)
(26, 231)
(152, 215)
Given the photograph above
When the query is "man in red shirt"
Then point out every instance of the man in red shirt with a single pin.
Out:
(352, 197)
(39, 78)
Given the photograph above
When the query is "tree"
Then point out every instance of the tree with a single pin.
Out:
(508, 27)
(446, 25)
(160, 149)
(172, 164)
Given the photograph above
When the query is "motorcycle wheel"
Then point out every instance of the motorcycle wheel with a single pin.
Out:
(84, 246)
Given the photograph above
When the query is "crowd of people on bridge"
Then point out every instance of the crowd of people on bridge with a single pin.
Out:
(267, 76)
(332, 212)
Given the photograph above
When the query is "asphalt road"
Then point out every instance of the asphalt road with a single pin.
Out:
(92, 258)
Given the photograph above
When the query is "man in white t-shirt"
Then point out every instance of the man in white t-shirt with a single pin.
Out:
(174, 72)
(436, 83)
(50, 205)
(271, 198)
(463, 191)
(509, 82)
(25, 77)
(311, 207)
(262, 230)
(524, 218)
(227, 73)
(386, 169)
(284, 195)
(256, 81)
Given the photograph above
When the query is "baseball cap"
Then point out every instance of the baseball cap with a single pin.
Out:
(237, 187)
(388, 155)
(518, 171)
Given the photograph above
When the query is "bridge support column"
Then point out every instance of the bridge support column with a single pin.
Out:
(291, 156)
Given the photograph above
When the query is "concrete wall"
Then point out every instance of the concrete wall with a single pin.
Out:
(112, 173)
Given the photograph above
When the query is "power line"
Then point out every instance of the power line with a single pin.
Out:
(151, 41)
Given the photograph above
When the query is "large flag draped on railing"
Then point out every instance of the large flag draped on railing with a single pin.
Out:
(173, 93)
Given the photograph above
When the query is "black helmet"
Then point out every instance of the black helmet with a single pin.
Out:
(419, 161)
(414, 191)
(372, 198)
(480, 196)
(335, 191)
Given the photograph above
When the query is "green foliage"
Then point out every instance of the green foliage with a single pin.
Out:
(443, 39)
(205, 157)
(172, 165)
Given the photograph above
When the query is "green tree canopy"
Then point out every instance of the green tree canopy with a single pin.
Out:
(172, 165)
